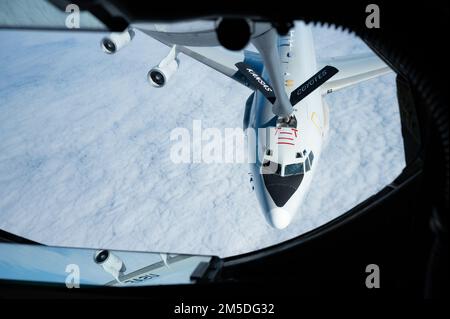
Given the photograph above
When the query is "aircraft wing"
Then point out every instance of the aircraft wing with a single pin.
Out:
(199, 41)
(198, 33)
(352, 70)
(173, 269)
(216, 58)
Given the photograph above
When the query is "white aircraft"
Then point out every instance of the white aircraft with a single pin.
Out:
(287, 110)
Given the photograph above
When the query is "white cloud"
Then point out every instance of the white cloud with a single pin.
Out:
(85, 149)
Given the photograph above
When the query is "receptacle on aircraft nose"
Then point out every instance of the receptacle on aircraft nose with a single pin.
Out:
(279, 218)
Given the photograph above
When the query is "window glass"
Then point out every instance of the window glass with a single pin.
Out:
(307, 167)
(293, 169)
(311, 157)
(87, 143)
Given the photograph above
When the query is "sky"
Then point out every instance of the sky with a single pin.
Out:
(85, 144)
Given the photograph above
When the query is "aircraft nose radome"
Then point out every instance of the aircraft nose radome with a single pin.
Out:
(279, 218)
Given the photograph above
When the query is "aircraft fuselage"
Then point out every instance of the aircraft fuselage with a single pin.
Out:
(287, 155)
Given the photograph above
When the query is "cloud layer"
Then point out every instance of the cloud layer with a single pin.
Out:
(84, 148)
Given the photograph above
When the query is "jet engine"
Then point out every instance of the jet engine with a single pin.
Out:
(116, 41)
(160, 74)
(110, 262)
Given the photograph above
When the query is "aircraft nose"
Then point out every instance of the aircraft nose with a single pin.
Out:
(282, 188)
(279, 218)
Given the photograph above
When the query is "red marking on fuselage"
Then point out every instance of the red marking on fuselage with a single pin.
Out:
(285, 138)
(285, 143)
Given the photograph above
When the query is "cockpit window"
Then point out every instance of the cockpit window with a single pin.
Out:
(307, 166)
(311, 157)
(293, 169)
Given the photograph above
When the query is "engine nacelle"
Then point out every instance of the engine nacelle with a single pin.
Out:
(110, 262)
(116, 41)
(160, 74)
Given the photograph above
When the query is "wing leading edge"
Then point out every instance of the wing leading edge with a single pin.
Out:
(352, 70)
(204, 47)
